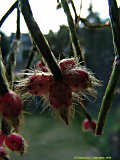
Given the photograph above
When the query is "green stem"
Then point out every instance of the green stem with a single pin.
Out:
(31, 56)
(115, 22)
(108, 98)
(72, 30)
(74, 9)
(88, 116)
(115, 75)
(8, 13)
(18, 24)
(30, 59)
(40, 40)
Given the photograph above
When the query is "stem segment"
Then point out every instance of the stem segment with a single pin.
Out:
(8, 13)
(18, 24)
(72, 30)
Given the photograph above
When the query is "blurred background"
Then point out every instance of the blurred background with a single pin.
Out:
(47, 137)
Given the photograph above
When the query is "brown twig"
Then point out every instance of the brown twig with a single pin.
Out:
(92, 26)
(8, 13)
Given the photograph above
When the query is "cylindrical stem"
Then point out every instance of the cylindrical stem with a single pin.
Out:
(8, 13)
(72, 30)
(18, 24)
(108, 98)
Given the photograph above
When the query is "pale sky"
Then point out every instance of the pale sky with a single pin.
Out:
(47, 16)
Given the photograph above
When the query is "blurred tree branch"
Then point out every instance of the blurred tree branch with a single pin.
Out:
(92, 26)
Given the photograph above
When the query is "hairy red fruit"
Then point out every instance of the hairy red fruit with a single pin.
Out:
(60, 96)
(3, 154)
(66, 64)
(42, 66)
(87, 125)
(15, 142)
(10, 105)
(2, 138)
(77, 79)
(39, 84)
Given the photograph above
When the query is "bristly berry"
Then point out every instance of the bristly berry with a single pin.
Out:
(3, 154)
(77, 79)
(87, 125)
(67, 64)
(39, 84)
(2, 138)
(15, 142)
(10, 105)
(42, 66)
(60, 97)
(60, 94)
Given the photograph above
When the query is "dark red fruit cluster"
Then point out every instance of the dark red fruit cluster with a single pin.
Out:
(13, 142)
(75, 79)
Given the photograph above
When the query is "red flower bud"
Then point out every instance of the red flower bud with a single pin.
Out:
(39, 84)
(42, 66)
(67, 64)
(15, 142)
(87, 125)
(10, 105)
(60, 96)
(77, 79)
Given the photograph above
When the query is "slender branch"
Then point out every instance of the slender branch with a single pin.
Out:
(72, 30)
(115, 75)
(80, 6)
(86, 113)
(92, 26)
(88, 116)
(8, 13)
(31, 57)
(108, 98)
(40, 40)
(18, 24)
(75, 12)
(115, 22)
